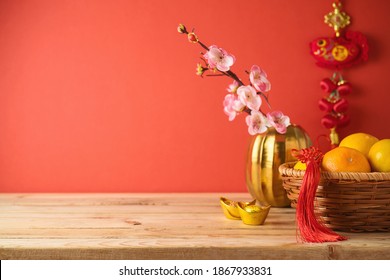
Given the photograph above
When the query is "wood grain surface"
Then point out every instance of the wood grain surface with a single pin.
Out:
(159, 226)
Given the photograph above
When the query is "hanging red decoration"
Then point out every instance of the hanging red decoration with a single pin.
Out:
(343, 50)
(340, 52)
(335, 105)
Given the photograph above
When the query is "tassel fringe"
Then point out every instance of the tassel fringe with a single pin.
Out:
(310, 228)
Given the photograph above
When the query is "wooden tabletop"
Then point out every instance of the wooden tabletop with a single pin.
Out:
(158, 226)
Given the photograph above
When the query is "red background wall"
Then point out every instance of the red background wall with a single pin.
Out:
(102, 95)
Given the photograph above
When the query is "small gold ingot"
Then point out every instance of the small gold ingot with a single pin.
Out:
(230, 208)
(253, 214)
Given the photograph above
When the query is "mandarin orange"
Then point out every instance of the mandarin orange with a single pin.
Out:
(359, 141)
(344, 159)
(300, 165)
(379, 156)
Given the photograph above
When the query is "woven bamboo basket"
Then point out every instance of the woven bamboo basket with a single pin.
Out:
(346, 201)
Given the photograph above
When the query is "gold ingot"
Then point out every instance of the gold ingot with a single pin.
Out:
(265, 154)
(253, 214)
(230, 207)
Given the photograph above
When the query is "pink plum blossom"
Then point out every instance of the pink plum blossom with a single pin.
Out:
(232, 105)
(219, 58)
(249, 97)
(257, 123)
(259, 79)
(233, 87)
(279, 121)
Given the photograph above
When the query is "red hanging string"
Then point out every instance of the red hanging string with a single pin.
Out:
(310, 229)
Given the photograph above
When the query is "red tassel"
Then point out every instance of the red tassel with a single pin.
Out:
(310, 228)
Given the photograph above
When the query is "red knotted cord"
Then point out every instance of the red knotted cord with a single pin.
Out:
(310, 229)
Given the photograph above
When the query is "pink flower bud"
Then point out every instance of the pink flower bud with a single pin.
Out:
(328, 85)
(192, 37)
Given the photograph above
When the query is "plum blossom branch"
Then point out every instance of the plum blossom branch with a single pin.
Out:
(193, 38)
(241, 97)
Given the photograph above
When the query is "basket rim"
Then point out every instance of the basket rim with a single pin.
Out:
(286, 169)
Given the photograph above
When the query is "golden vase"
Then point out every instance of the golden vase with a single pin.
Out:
(265, 154)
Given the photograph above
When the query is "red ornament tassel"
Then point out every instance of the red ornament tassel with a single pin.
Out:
(310, 228)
